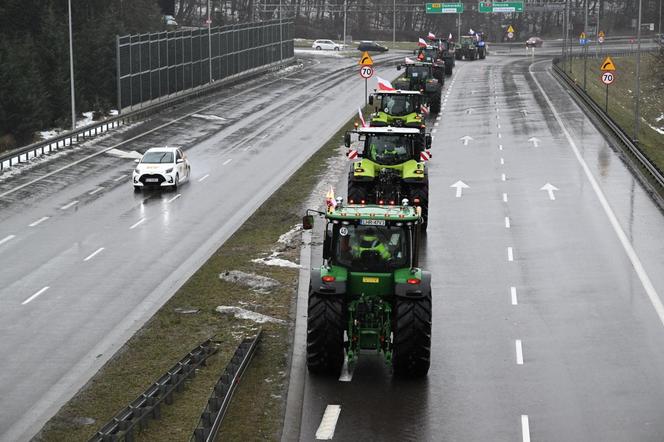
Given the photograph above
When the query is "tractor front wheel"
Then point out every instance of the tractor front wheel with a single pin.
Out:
(412, 337)
(325, 334)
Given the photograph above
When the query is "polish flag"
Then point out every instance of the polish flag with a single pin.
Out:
(424, 109)
(431, 36)
(409, 61)
(384, 85)
(421, 42)
(364, 123)
(450, 37)
(471, 31)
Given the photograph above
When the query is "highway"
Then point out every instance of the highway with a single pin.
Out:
(548, 275)
(84, 261)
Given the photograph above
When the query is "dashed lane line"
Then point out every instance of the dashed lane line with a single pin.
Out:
(504, 197)
(120, 178)
(174, 198)
(98, 189)
(38, 222)
(7, 239)
(513, 296)
(67, 206)
(510, 254)
(519, 352)
(328, 423)
(93, 254)
(227, 161)
(35, 295)
(138, 223)
(525, 428)
(507, 222)
(203, 178)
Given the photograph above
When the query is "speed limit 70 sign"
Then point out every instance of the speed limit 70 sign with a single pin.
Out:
(366, 72)
(608, 78)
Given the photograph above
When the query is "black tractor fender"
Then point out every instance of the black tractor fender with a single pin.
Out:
(411, 291)
(325, 288)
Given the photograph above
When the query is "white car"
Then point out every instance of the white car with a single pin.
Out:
(161, 167)
(326, 44)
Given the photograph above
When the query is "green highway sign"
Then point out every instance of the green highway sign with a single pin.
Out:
(444, 8)
(490, 7)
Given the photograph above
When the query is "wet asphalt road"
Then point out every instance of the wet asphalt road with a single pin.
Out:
(547, 321)
(84, 261)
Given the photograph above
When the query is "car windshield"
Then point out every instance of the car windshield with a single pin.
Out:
(371, 248)
(157, 157)
(421, 72)
(399, 105)
(388, 149)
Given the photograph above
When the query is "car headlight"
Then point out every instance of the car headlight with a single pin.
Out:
(169, 170)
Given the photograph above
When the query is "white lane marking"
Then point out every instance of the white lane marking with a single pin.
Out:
(498, 125)
(138, 223)
(119, 178)
(503, 177)
(438, 118)
(39, 221)
(436, 124)
(99, 189)
(513, 294)
(434, 131)
(328, 423)
(519, 352)
(346, 374)
(203, 178)
(510, 254)
(174, 198)
(7, 239)
(502, 161)
(35, 295)
(655, 300)
(507, 222)
(525, 428)
(67, 206)
(504, 197)
(500, 147)
(93, 254)
(500, 135)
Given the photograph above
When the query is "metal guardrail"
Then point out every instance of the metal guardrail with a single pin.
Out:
(215, 410)
(70, 138)
(652, 169)
(608, 52)
(147, 405)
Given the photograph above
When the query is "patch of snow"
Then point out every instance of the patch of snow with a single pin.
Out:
(255, 282)
(241, 313)
(660, 118)
(319, 53)
(124, 154)
(209, 117)
(80, 122)
(272, 260)
(659, 130)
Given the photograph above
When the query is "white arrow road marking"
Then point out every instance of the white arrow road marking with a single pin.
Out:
(513, 293)
(328, 423)
(67, 206)
(93, 254)
(39, 221)
(519, 352)
(460, 185)
(525, 428)
(7, 239)
(535, 141)
(35, 295)
(550, 188)
(466, 139)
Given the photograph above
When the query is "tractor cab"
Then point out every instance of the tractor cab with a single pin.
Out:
(397, 108)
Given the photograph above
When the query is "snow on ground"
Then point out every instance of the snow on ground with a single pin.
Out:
(80, 122)
(124, 154)
(209, 117)
(321, 53)
(241, 313)
(259, 283)
(273, 260)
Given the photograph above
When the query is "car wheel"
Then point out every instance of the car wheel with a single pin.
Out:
(336, 48)
(137, 189)
(318, 48)
(176, 183)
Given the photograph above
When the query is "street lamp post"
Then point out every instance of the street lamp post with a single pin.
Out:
(585, 46)
(345, 21)
(71, 71)
(394, 22)
(281, 36)
(637, 98)
(209, 23)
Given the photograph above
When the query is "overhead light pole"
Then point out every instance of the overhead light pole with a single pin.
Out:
(345, 21)
(585, 46)
(637, 95)
(71, 70)
(394, 23)
(209, 23)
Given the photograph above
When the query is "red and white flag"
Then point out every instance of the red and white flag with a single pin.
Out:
(384, 85)
(431, 36)
(471, 32)
(424, 109)
(421, 42)
(450, 37)
(352, 154)
(409, 60)
(364, 123)
(425, 155)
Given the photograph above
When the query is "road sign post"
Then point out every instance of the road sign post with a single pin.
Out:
(608, 68)
(366, 71)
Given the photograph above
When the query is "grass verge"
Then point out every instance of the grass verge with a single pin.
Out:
(621, 106)
(258, 406)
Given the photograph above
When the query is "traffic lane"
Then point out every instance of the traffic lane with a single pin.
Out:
(148, 286)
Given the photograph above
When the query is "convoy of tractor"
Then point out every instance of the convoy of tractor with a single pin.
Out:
(370, 295)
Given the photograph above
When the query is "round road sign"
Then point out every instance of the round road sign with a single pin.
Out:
(510, 35)
(608, 78)
(366, 72)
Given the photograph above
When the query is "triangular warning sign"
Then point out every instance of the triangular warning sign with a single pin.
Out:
(510, 29)
(608, 65)
(365, 59)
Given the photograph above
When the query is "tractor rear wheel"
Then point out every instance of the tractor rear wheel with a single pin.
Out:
(325, 334)
(412, 336)
(482, 54)
(448, 68)
(435, 103)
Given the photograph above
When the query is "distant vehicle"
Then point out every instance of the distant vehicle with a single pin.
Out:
(169, 21)
(161, 167)
(328, 45)
(371, 46)
(534, 42)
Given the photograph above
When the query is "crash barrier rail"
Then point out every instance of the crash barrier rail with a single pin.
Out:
(632, 147)
(71, 138)
(215, 410)
(154, 65)
(148, 405)
(608, 52)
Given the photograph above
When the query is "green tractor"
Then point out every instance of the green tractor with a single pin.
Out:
(431, 54)
(420, 77)
(397, 108)
(390, 167)
(467, 48)
(447, 52)
(369, 296)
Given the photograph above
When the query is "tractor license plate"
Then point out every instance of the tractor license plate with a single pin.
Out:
(370, 279)
(372, 222)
